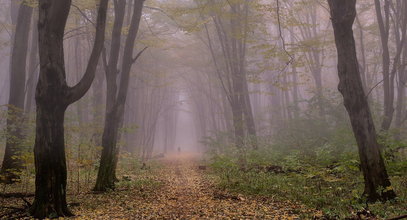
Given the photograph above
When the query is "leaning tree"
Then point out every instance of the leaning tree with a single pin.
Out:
(53, 96)
(377, 183)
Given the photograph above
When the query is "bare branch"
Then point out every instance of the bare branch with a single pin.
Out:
(139, 54)
(83, 14)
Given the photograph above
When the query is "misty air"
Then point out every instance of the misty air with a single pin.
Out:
(203, 109)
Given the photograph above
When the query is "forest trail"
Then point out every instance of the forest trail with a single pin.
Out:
(173, 188)
(187, 194)
(184, 193)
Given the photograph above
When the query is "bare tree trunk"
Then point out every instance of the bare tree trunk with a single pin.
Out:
(248, 113)
(363, 66)
(314, 57)
(384, 27)
(389, 74)
(114, 115)
(296, 107)
(400, 26)
(53, 96)
(97, 103)
(107, 178)
(276, 108)
(377, 183)
(12, 163)
(401, 92)
(32, 67)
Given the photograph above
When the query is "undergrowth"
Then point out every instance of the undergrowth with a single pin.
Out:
(321, 177)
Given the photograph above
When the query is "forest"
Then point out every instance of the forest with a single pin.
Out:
(203, 109)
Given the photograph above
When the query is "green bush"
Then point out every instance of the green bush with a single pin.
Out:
(319, 165)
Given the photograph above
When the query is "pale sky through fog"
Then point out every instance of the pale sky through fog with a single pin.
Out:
(186, 137)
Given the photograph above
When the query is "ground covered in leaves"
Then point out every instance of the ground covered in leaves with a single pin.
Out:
(177, 188)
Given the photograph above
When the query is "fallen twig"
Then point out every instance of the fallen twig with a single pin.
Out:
(10, 207)
(398, 217)
(27, 203)
(15, 195)
(11, 213)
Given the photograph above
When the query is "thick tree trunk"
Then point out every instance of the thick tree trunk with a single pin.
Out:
(50, 162)
(377, 183)
(52, 97)
(12, 163)
(49, 149)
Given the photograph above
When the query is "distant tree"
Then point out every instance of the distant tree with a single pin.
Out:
(311, 38)
(53, 96)
(400, 26)
(377, 183)
(231, 69)
(390, 68)
(12, 163)
(32, 70)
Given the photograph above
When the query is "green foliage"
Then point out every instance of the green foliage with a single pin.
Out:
(82, 140)
(335, 189)
(312, 160)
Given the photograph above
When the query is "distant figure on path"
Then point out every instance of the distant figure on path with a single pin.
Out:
(179, 150)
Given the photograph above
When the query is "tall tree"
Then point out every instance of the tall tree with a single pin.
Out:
(377, 183)
(32, 67)
(12, 161)
(116, 100)
(389, 68)
(232, 69)
(53, 96)
(400, 23)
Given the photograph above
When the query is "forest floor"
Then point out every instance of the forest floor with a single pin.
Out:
(177, 189)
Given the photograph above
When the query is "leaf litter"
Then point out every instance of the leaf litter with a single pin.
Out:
(178, 189)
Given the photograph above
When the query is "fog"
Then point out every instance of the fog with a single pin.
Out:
(99, 90)
(186, 138)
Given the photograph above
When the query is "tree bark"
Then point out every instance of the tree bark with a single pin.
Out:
(12, 163)
(114, 115)
(106, 174)
(53, 96)
(377, 183)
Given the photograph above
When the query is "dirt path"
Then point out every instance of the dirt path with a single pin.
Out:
(183, 192)
(188, 195)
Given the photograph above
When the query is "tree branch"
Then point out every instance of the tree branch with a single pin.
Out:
(377, 84)
(398, 217)
(79, 90)
(83, 14)
(281, 33)
(139, 54)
